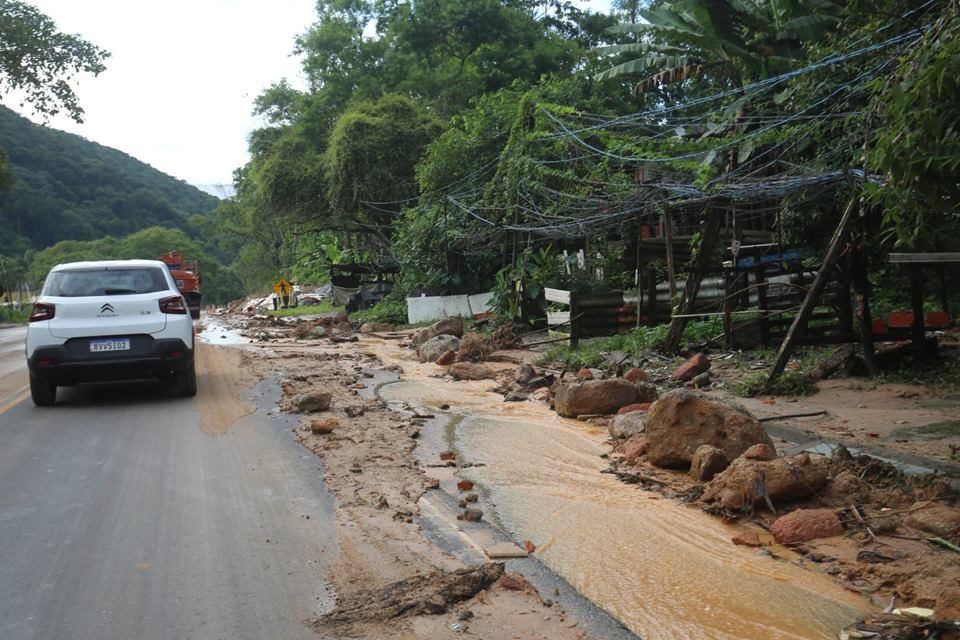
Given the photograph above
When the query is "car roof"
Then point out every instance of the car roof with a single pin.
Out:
(108, 264)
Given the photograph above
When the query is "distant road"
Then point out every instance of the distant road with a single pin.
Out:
(120, 519)
(13, 364)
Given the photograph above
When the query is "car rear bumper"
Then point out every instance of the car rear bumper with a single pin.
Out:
(72, 362)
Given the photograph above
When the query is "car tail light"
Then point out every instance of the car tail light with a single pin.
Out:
(42, 311)
(173, 304)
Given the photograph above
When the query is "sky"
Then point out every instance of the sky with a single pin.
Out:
(182, 77)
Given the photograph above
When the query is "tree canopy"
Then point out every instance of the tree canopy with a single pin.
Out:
(40, 61)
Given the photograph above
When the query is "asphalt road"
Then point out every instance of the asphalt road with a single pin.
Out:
(120, 519)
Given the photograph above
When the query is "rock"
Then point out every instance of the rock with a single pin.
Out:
(445, 327)
(637, 406)
(354, 410)
(760, 451)
(935, 518)
(470, 371)
(340, 317)
(594, 396)
(464, 485)
(537, 383)
(632, 449)
(344, 327)
(448, 357)
(803, 525)
(707, 462)
(747, 539)
(377, 327)
(682, 420)
(627, 425)
(313, 401)
(529, 547)
(513, 582)
(319, 331)
(435, 347)
(700, 381)
(516, 396)
(471, 515)
(325, 426)
(542, 394)
(737, 489)
(636, 375)
(524, 374)
(691, 368)
(474, 347)
(647, 392)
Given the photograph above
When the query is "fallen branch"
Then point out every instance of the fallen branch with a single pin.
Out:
(944, 543)
(809, 414)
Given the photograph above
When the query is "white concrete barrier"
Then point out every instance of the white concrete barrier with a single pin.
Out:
(431, 308)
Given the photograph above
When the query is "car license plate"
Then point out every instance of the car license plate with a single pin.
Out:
(110, 344)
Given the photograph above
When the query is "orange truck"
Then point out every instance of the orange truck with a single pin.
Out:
(187, 276)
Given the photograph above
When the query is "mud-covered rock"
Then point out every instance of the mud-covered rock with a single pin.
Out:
(682, 420)
(377, 327)
(691, 368)
(313, 401)
(803, 525)
(935, 518)
(636, 375)
(742, 486)
(340, 317)
(707, 462)
(524, 374)
(474, 347)
(760, 451)
(324, 427)
(637, 406)
(627, 425)
(646, 392)
(435, 347)
(470, 371)
(594, 396)
(447, 326)
(448, 357)
(632, 448)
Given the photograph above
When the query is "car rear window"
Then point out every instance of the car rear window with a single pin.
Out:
(104, 282)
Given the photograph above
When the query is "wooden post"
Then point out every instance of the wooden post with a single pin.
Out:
(665, 222)
(814, 293)
(709, 240)
(844, 307)
(762, 305)
(918, 332)
(728, 287)
(574, 319)
(861, 289)
(652, 295)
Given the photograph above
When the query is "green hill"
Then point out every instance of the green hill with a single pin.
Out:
(65, 187)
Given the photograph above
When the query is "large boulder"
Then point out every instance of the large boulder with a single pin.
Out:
(627, 425)
(377, 327)
(935, 518)
(707, 462)
(594, 397)
(691, 368)
(741, 487)
(682, 420)
(435, 347)
(313, 401)
(471, 371)
(445, 327)
(803, 525)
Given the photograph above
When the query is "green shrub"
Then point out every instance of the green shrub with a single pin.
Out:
(789, 383)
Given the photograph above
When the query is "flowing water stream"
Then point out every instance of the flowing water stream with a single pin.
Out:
(666, 570)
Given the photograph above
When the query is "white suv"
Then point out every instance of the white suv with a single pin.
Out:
(109, 320)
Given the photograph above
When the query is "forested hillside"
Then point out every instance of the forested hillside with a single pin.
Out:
(482, 143)
(64, 187)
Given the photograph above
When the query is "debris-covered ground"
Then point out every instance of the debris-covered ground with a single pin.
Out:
(674, 430)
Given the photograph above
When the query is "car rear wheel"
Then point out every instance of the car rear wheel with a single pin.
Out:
(43, 392)
(185, 381)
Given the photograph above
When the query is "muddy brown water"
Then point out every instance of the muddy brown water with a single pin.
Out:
(664, 569)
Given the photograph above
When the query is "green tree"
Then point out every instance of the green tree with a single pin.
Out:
(40, 61)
